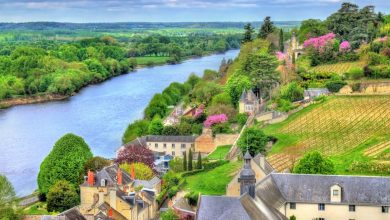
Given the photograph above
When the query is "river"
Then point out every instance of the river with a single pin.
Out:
(98, 113)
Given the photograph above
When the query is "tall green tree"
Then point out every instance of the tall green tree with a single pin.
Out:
(281, 40)
(199, 161)
(314, 163)
(65, 162)
(7, 196)
(254, 139)
(184, 161)
(236, 84)
(62, 196)
(190, 160)
(249, 30)
(156, 126)
(266, 28)
(311, 28)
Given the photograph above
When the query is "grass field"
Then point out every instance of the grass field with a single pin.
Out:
(219, 153)
(145, 61)
(212, 182)
(36, 209)
(339, 127)
(339, 68)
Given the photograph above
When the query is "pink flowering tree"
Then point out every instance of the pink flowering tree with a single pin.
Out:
(215, 119)
(199, 111)
(319, 43)
(345, 46)
(280, 55)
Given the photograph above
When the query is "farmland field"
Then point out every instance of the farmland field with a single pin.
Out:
(339, 68)
(339, 127)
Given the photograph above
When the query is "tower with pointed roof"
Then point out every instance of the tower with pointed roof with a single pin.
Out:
(248, 102)
(247, 177)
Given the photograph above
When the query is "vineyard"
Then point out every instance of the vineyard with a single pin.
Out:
(336, 127)
(339, 68)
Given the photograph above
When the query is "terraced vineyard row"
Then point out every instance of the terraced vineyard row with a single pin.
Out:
(335, 127)
(339, 68)
(377, 149)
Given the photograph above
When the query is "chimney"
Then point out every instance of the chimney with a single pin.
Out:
(91, 178)
(132, 172)
(110, 213)
(119, 176)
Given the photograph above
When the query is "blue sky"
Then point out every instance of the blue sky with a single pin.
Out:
(171, 10)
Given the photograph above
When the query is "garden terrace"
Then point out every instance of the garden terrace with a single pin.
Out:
(338, 68)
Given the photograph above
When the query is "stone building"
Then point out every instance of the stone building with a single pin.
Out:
(278, 196)
(311, 93)
(249, 102)
(112, 194)
(295, 50)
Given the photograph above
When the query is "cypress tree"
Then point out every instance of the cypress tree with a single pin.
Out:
(199, 162)
(184, 161)
(248, 33)
(281, 41)
(190, 160)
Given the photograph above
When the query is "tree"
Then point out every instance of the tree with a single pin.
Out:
(157, 107)
(314, 163)
(236, 84)
(170, 131)
(96, 164)
(281, 40)
(132, 154)
(262, 71)
(156, 126)
(254, 140)
(292, 92)
(169, 215)
(248, 33)
(266, 28)
(141, 170)
(190, 160)
(136, 129)
(65, 161)
(184, 161)
(199, 161)
(311, 28)
(7, 192)
(62, 196)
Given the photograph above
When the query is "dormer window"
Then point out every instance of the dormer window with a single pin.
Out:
(335, 192)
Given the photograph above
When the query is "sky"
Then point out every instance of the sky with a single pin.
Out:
(83, 11)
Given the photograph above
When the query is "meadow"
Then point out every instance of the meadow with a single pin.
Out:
(340, 127)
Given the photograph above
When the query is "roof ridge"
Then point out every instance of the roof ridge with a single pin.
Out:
(333, 175)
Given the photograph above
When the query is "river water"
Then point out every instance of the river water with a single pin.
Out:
(99, 113)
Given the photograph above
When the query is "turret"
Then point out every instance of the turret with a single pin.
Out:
(247, 177)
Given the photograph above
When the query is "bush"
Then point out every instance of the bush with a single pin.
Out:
(136, 129)
(156, 126)
(172, 191)
(65, 161)
(62, 196)
(242, 118)
(169, 215)
(192, 198)
(284, 105)
(355, 73)
(214, 164)
(141, 170)
(292, 92)
(335, 86)
(254, 139)
(355, 87)
(222, 128)
(314, 163)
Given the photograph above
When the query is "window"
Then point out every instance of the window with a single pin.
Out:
(335, 192)
(385, 209)
(156, 145)
(183, 146)
(173, 146)
(352, 208)
(165, 145)
(321, 206)
(173, 153)
(321, 218)
(293, 205)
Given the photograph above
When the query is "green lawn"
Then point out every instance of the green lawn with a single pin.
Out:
(219, 153)
(36, 209)
(151, 60)
(212, 182)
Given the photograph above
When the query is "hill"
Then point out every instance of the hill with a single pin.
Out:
(354, 131)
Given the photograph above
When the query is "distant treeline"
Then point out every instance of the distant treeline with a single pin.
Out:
(98, 27)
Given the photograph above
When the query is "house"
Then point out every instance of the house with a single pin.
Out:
(278, 196)
(248, 103)
(311, 93)
(113, 193)
(161, 163)
(295, 49)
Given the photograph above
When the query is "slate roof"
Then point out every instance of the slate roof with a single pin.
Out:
(267, 166)
(247, 95)
(72, 214)
(221, 208)
(312, 92)
(277, 188)
(109, 173)
(258, 209)
(147, 183)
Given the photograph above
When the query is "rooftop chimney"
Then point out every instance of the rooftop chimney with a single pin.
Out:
(91, 178)
(132, 172)
(119, 176)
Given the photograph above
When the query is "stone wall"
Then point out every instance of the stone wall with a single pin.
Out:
(225, 139)
(368, 88)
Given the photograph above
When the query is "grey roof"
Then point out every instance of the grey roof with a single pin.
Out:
(315, 91)
(109, 173)
(243, 95)
(183, 205)
(277, 188)
(247, 155)
(163, 138)
(260, 210)
(221, 208)
(267, 166)
(150, 184)
(139, 141)
(72, 214)
(248, 96)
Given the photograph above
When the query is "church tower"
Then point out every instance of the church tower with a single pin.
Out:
(247, 177)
